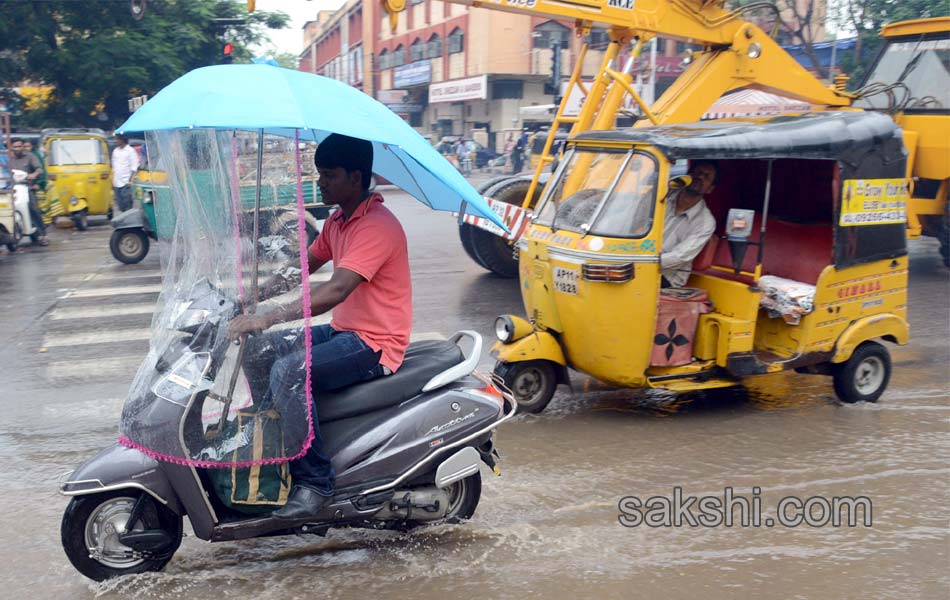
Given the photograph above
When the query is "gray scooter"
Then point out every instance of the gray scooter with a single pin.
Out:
(406, 449)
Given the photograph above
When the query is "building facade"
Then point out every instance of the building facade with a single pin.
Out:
(452, 70)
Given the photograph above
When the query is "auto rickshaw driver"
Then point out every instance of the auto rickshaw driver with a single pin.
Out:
(370, 293)
(688, 224)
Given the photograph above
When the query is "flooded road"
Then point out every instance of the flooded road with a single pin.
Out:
(74, 326)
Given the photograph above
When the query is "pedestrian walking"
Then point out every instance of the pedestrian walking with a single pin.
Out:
(517, 153)
(125, 162)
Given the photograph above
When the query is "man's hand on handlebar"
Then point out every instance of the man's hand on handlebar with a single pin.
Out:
(243, 324)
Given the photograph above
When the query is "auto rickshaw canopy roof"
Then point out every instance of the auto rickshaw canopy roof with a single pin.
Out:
(814, 135)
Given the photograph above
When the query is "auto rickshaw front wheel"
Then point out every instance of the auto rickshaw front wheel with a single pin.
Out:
(864, 376)
(129, 246)
(81, 219)
(533, 382)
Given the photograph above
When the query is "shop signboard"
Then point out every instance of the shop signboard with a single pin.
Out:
(470, 88)
(417, 73)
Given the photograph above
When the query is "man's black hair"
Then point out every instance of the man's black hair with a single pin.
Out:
(711, 163)
(123, 137)
(349, 153)
(15, 140)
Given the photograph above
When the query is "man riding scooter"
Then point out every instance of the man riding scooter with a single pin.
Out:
(371, 293)
(30, 164)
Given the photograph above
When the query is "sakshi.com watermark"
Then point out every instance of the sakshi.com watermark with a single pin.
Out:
(731, 509)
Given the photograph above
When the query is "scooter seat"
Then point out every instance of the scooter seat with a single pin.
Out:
(423, 361)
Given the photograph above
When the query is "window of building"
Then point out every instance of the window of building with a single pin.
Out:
(399, 56)
(682, 47)
(456, 41)
(434, 46)
(359, 64)
(598, 39)
(504, 88)
(384, 59)
(416, 50)
(550, 32)
(413, 2)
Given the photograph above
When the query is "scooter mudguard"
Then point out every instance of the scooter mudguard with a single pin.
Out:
(119, 467)
(540, 345)
(133, 218)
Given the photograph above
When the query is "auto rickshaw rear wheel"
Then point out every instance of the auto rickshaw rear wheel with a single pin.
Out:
(129, 246)
(92, 526)
(533, 382)
(490, 251)
(864, 376)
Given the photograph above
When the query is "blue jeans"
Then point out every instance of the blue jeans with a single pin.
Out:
(123, 197)
(337, 359)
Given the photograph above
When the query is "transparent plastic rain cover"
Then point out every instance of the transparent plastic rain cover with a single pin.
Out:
(198, 395)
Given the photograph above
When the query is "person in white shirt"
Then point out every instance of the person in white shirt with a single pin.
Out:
(125, 162)
(688, 225)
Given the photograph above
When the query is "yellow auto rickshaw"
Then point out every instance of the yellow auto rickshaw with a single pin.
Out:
(79, 173)
(806, 271)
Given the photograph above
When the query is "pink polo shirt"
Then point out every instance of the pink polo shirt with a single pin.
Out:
(372, 244)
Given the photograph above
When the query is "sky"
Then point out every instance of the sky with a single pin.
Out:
(300, 11)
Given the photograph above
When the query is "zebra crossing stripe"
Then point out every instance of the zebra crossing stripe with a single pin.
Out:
(112, 291)
(60, 340)
(93, 369)
(107, 310)
(107, 275)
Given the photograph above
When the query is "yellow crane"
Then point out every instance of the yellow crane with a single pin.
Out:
(911, 80)
(735, 54)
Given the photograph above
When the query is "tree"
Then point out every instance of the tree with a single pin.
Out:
(95, 56)
(866, 17)
(799, 22)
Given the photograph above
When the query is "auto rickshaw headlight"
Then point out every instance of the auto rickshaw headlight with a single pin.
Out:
(509, 328)
(74, 200)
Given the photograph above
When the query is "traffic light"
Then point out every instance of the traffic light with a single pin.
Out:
(226, 51)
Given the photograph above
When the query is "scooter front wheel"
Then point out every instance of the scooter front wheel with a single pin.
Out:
(17, 236)
(93, 526)
(533, 382)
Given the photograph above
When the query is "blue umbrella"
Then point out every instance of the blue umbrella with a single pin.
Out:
(261, 97)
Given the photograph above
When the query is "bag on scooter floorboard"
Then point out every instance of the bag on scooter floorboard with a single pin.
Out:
(259, 488)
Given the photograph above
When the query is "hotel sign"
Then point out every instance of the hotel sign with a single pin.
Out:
(470, 88)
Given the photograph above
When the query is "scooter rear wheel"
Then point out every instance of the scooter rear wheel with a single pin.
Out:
(463, 500)
(92, 525)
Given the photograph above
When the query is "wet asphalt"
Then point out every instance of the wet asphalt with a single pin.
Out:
(74, 325)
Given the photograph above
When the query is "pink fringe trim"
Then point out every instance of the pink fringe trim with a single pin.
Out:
(305, 286)
(305, 268)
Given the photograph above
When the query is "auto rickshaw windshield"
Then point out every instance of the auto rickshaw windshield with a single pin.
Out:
(75, 151)
(602, 192)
